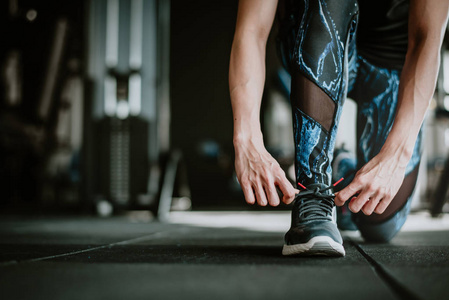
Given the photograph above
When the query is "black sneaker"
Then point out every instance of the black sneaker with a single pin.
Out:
(314, 230)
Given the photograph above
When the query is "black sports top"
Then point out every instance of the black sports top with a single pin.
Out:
(382, 34)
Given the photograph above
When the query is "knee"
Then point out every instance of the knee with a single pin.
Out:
(378, 233)
(384, 231)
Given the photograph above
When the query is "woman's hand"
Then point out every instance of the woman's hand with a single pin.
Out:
(259, 174)
(375, 185)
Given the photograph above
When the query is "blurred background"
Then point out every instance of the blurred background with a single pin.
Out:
(108, 106)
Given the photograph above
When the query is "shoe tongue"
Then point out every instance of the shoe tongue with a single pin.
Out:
(313, 210)
(313, 186)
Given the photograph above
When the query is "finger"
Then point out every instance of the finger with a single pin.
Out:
(351, 201)
(338, 203)
(378, 210)
(369, 206)
(342, 196)
(249, 194)
(289, 198)
(360, 201)
(260, 195)
(287, 190)
(273, 198)
(382, 206)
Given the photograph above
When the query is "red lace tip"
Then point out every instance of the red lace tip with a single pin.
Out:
(302, 186)
(340, 180)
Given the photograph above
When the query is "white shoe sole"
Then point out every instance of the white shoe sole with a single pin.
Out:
(319, 245)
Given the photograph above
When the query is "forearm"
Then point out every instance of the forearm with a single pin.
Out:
(246, 82)
(427, 25)
(247, 66)
(416, 88)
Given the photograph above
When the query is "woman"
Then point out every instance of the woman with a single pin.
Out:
(385, 56)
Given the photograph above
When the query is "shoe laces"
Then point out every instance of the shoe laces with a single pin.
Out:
(316, 204)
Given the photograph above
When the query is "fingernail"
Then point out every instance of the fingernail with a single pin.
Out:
(354, 209)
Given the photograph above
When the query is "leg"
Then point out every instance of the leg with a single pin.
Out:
(319, 82)
(376, 92)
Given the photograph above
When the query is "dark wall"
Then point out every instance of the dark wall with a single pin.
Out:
(201, 37)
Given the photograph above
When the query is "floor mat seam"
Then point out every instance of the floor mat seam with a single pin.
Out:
(398, 289)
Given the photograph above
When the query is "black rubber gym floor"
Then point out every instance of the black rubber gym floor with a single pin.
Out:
(211, 256)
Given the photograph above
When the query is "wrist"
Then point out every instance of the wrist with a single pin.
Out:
(245, 139)
(247, 134)
(400, 152)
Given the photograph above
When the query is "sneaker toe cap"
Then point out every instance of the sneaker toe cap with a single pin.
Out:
(304, 232)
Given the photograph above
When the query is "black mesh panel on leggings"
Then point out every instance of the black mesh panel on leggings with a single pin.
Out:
(312, 100)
